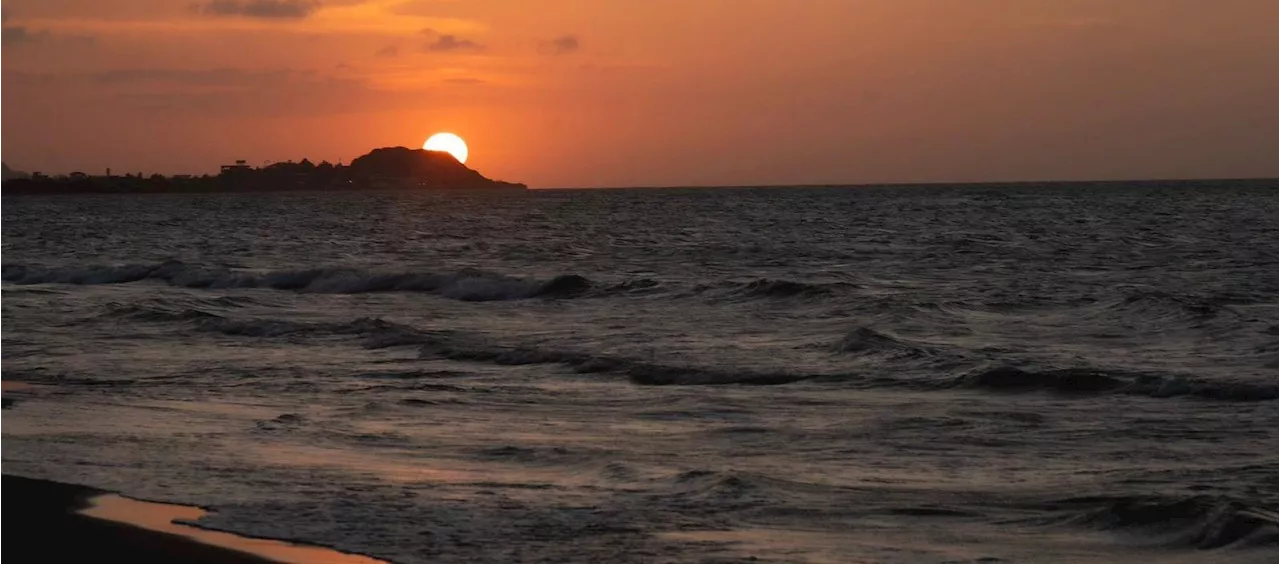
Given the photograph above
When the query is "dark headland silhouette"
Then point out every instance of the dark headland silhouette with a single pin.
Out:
(8, 173)
(386, 168)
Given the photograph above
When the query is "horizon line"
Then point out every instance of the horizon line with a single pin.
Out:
(926, 183)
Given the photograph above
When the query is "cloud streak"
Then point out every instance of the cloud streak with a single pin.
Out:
(260, 9)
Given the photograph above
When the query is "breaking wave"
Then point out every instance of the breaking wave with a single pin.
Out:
(720, 489)
(159, 314)
(764, 288)
(1162, 306)
(377, 333)
(1007, 378)
(707, 490)
(1129, 307)
(638, 372)
(466, 285)
(1202, 521)
(1089, 381)
(868, 341)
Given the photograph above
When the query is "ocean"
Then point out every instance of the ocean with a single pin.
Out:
(893, 374)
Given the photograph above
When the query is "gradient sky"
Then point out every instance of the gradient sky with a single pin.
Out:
(661, 92)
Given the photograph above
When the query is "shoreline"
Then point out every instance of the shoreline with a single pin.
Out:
(96, 525)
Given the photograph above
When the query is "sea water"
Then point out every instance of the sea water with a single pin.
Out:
(897, 374)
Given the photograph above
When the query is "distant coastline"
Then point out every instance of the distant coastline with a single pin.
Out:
(400, 168)
(395, 168)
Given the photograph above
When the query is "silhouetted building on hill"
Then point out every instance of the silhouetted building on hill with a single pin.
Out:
(240, 166)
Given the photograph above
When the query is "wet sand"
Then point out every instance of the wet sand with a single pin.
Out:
(54, 522)
(15, 386)
(10, 388)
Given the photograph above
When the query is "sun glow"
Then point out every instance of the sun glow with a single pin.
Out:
(448, 143)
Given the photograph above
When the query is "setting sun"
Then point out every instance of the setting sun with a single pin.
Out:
(448, 143)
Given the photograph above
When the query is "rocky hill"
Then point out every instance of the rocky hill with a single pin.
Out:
(433, 169)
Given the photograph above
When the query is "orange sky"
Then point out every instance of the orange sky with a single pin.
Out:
(663, 92)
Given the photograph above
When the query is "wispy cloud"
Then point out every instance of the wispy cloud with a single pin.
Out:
(262, 9)
(305, 17)
(562, 45)
(218, 91)
(202, 77)
(16, 35)
(450, 42)
(388, 51)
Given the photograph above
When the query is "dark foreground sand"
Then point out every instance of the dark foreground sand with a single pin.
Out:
(40, 525)
(40, 522)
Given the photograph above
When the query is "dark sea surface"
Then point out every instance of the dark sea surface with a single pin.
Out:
(964, 374)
